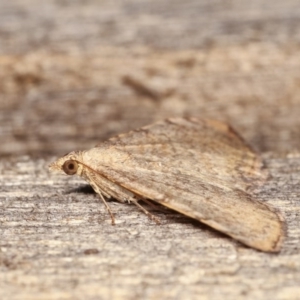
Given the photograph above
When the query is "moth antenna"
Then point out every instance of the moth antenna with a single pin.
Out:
(146, 212)
(108, 209)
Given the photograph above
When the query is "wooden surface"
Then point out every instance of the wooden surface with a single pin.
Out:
(50, 224)
(73, 73)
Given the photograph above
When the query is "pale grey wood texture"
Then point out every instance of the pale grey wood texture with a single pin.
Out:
(49, 222)
(73, 73)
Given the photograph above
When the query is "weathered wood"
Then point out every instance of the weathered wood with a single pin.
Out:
(73, 73)
(66, 78)
(49, 224)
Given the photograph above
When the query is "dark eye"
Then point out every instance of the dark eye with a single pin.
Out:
(70, 167)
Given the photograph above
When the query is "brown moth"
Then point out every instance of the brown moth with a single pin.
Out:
(200, 168)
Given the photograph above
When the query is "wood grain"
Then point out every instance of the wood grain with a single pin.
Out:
(72, 75)
(68, 77)
(49, 224)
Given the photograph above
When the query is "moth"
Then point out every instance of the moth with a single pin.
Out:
(200, 168)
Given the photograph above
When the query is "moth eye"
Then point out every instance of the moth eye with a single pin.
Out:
(70, 167)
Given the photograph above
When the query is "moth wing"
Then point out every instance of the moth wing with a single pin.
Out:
(197, 167)
(232, 212)
(209, 147)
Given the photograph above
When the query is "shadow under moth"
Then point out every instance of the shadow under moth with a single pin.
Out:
(200, 168)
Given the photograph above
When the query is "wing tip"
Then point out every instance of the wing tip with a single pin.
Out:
(277, 244)
(274, 241)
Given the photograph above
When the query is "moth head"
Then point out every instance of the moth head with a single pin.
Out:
(68, 164)
(70, 167)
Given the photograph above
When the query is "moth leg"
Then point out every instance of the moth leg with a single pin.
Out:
(155, 206)
(102, 185)
(146, 212)
(108, 208)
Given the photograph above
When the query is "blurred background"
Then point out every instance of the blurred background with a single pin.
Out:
(73, 73)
